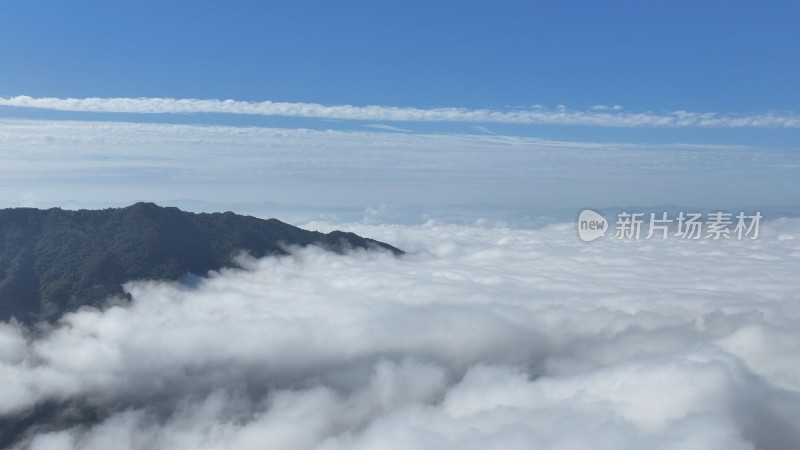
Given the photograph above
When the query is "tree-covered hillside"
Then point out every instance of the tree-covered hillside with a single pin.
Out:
(53, 261)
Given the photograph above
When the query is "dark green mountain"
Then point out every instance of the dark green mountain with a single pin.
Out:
(53, 261)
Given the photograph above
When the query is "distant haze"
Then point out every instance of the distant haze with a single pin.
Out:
(55, 162)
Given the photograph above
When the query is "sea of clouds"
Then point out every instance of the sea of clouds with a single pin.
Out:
(480, 337)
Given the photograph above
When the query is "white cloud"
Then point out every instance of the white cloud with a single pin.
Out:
(603, 117)
(381, 126)
(479, 338)
(114, 161)
(607, 108)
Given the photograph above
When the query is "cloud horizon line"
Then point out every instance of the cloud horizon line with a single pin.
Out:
(611, 117)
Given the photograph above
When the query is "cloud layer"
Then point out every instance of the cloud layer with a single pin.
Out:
(109, 162)
(480, 338)
(597, 116)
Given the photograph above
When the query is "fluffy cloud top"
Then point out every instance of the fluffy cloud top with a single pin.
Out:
(598, 116)
(479, 338)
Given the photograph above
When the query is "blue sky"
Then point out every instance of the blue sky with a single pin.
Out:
(604, 74)
(730, 56)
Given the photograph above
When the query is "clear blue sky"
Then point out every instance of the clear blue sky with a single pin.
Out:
(733, 65)
(729, 56)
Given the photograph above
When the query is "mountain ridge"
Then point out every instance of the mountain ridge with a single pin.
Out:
(53, 261)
